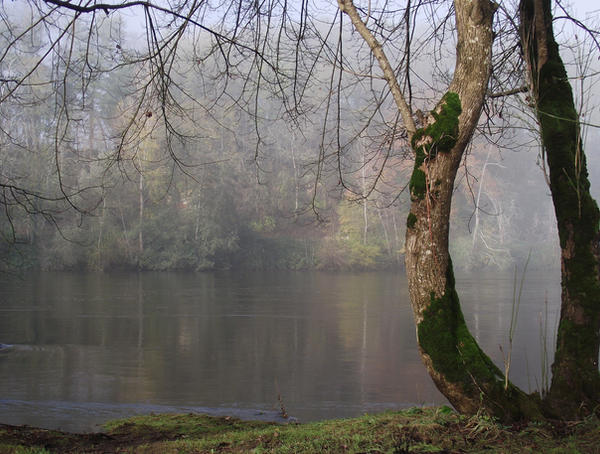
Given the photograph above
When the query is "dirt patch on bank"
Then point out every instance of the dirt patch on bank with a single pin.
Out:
(64, 442)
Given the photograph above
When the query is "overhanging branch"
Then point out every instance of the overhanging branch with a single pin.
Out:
(108, 7)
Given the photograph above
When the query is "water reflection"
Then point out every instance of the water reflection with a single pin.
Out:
(330, 344)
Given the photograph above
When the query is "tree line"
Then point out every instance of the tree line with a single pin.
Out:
(209, 202)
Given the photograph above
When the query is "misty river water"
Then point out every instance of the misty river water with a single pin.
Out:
(79, 349)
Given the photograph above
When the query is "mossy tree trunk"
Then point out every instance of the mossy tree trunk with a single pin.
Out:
(459, 368)
(575, 387)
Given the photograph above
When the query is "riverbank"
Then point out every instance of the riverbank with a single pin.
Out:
(416, 430)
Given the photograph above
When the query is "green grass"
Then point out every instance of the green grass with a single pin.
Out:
(417, 430)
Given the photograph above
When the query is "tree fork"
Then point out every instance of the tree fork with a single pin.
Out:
(458, 366)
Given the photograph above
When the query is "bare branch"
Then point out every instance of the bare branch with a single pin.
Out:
(511, 92)
(347, 7)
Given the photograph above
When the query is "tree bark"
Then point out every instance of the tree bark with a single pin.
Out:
(575, 386)
(459, 368)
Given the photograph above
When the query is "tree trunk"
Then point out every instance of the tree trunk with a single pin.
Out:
(459, 368)
(396, 238)
(575, 387)
(140, 215)
(386, 236)
(363, 172)
(296, 177)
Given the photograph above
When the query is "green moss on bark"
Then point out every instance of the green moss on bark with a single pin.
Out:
(444, 336)
(443, 131)
(411, 221)
(576, 381)
(439, 136)
(418, 184)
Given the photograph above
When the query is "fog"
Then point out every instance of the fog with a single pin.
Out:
(228, 189)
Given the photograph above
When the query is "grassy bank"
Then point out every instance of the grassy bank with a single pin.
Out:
(411, 431)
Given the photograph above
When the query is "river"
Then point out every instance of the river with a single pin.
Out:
(79, 349)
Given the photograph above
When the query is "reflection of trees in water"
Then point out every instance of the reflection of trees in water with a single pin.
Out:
(224, 339)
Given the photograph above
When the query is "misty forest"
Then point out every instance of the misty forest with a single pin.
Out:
(413, 139)
(92, 179)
